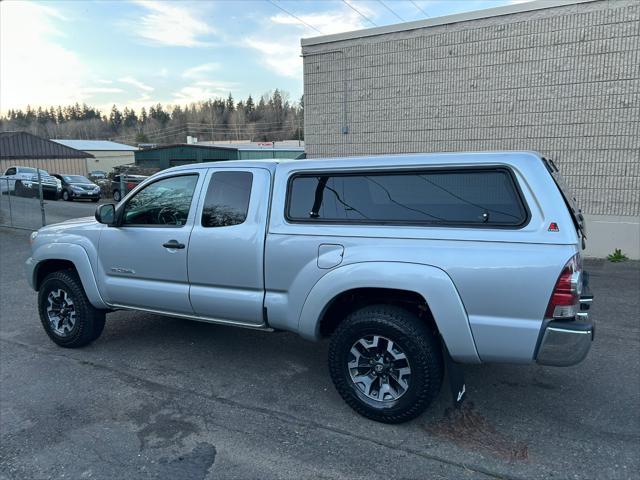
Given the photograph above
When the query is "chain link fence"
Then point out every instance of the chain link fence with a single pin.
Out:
(22, 206)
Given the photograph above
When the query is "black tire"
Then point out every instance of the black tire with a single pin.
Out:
(415, 339)
(116, 195)
(94, 200)
(65, 196)
(89, 321)
(19, 190)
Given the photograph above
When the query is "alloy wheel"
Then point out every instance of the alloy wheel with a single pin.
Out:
(379, 368)
(61, 312)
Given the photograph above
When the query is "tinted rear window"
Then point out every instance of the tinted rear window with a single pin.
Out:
(452, 197)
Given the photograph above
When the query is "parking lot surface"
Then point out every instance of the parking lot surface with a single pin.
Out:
(158, 397)
(25, 212)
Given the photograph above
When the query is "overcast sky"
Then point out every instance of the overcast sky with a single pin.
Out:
(139, 52)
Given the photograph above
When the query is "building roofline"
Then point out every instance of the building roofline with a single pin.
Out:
(444, 20)
(224, 147)
(62, 141)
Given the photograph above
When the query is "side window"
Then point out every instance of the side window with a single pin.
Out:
(165, 202)
(11, 171)
(227, 200)
(461, 197)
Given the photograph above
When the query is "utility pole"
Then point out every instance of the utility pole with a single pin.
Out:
(41, 194)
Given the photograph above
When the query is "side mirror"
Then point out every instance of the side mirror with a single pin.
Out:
(106, 214)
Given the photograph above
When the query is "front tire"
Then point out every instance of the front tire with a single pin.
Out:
(386, 363)
(65, 311)
(116, 195)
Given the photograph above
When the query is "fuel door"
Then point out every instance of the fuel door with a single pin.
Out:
(330, 255)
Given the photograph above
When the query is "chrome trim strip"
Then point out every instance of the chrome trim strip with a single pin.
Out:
(197, 318)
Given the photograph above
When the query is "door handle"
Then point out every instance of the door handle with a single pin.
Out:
(173, 244)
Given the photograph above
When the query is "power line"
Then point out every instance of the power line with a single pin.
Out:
(359, 13)
(294, 16)
(388, 8)
(419, 8)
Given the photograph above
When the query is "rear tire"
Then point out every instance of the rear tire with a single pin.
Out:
(410, 365)
(66, 197)
(19, 190)
(65, 311)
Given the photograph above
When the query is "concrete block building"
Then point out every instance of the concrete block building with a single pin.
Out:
(561, 77)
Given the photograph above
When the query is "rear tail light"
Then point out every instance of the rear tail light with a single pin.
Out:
(130, 186)
(565, 299)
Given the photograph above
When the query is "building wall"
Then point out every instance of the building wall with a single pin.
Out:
(266, 153)
(74, 166)
(108, 160)
(564, 81)
(182, 154)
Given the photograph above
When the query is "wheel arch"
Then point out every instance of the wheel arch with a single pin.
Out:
(62, 256)
(428, 288)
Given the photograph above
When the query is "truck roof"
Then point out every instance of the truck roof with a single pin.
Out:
(505, 156)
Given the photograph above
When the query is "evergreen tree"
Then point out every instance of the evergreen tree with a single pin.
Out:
(115, 119)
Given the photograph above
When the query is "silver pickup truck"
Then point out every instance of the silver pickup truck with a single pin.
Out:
(410, 264)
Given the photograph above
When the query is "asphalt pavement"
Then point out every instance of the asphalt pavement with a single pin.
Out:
(159, 397)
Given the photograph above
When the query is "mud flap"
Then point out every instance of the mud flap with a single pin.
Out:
(456, 378)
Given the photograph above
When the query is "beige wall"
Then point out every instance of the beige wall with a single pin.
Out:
(605, 233)
(107, 160)
(75, 166)
(562, 81)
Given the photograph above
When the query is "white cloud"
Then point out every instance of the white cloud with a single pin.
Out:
(170, 24)
(90, 90)
(282, 55)
(35, 69)
(326, 22)
(136, 83)
(200, 71)
(203, 90)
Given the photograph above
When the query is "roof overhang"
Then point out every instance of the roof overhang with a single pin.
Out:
(445, 20)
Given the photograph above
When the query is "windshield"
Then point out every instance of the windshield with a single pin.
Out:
(76, 179)
(33, 170)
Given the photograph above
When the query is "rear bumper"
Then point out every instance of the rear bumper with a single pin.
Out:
(46, 188)
(84, 195)
(566, 343)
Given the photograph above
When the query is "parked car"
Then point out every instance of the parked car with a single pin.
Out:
(23, 182)
(97, 175)
(410, 264)
(78, 187)
(120, 188)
